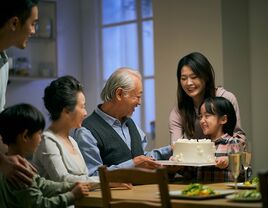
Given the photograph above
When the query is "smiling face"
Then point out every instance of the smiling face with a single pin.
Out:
(192, 85)
(211, 124)
(130, 100)
(79, 113)
(24, 31)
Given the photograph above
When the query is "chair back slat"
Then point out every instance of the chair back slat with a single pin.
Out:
(135, 176)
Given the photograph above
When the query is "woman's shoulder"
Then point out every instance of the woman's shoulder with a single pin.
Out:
(48, 135)
(49, 139)
(222, 92)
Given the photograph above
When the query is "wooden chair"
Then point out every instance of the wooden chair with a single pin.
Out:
(263, 180)
(134, 176)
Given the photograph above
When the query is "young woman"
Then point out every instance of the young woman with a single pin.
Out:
(196, 82)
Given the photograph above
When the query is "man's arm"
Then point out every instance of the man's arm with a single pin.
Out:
(163, 153)
(90, 151)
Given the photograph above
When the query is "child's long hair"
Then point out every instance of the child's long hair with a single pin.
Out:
(220, 106)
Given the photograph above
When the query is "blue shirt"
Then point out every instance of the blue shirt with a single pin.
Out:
(89, 149)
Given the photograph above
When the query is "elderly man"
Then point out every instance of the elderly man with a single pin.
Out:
(109, 136)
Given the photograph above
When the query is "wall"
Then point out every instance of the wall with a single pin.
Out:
(91, 76)
(259, 74)
(236, 56)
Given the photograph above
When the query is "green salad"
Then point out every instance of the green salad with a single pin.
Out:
(248, 194)
(196, 189)
(253, 181)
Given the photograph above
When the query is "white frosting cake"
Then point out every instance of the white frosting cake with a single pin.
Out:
(193, 151)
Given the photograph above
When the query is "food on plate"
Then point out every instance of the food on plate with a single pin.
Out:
(197, 189)
(194, 151)
(253, 181)
(248, 195)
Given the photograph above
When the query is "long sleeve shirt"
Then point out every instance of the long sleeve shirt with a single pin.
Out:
(42, 193)
(90, 151)
(54, 161)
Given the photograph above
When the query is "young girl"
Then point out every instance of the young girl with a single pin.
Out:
(218, 119)
(21, 127)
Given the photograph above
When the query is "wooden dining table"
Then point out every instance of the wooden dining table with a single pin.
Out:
(150, 193)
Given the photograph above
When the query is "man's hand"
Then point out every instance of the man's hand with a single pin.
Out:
(121, 185)
(17, 170)
(145, 162)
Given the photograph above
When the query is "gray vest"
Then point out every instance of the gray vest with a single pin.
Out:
(113, 149)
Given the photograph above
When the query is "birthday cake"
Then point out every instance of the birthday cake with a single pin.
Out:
(194, 151)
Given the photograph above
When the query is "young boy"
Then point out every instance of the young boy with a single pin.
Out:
(21, 127)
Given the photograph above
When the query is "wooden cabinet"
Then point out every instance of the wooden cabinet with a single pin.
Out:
(39, 59)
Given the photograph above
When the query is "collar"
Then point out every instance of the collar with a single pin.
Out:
(109, 119)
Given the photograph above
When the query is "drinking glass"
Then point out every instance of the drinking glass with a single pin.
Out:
(234, 157)
(234, 165)
(245, 161)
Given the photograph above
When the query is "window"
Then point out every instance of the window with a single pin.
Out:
(126, 29)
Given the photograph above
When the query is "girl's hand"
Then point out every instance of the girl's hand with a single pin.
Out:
(222, 162)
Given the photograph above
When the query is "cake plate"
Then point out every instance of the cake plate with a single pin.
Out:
(177, 163)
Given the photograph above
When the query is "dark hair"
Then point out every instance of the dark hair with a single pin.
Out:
(61, 93)
(220, 106)
(203, 70)
(17, 118)
(20, 8)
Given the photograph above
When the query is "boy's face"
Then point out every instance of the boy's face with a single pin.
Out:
(210, 124)
(26, 30)
(33, 142)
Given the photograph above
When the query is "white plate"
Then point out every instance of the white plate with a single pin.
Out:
(170, 162)
(219, 194)
(232, 198)
(242, 186)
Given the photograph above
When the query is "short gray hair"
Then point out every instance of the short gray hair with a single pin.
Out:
(122, 77)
